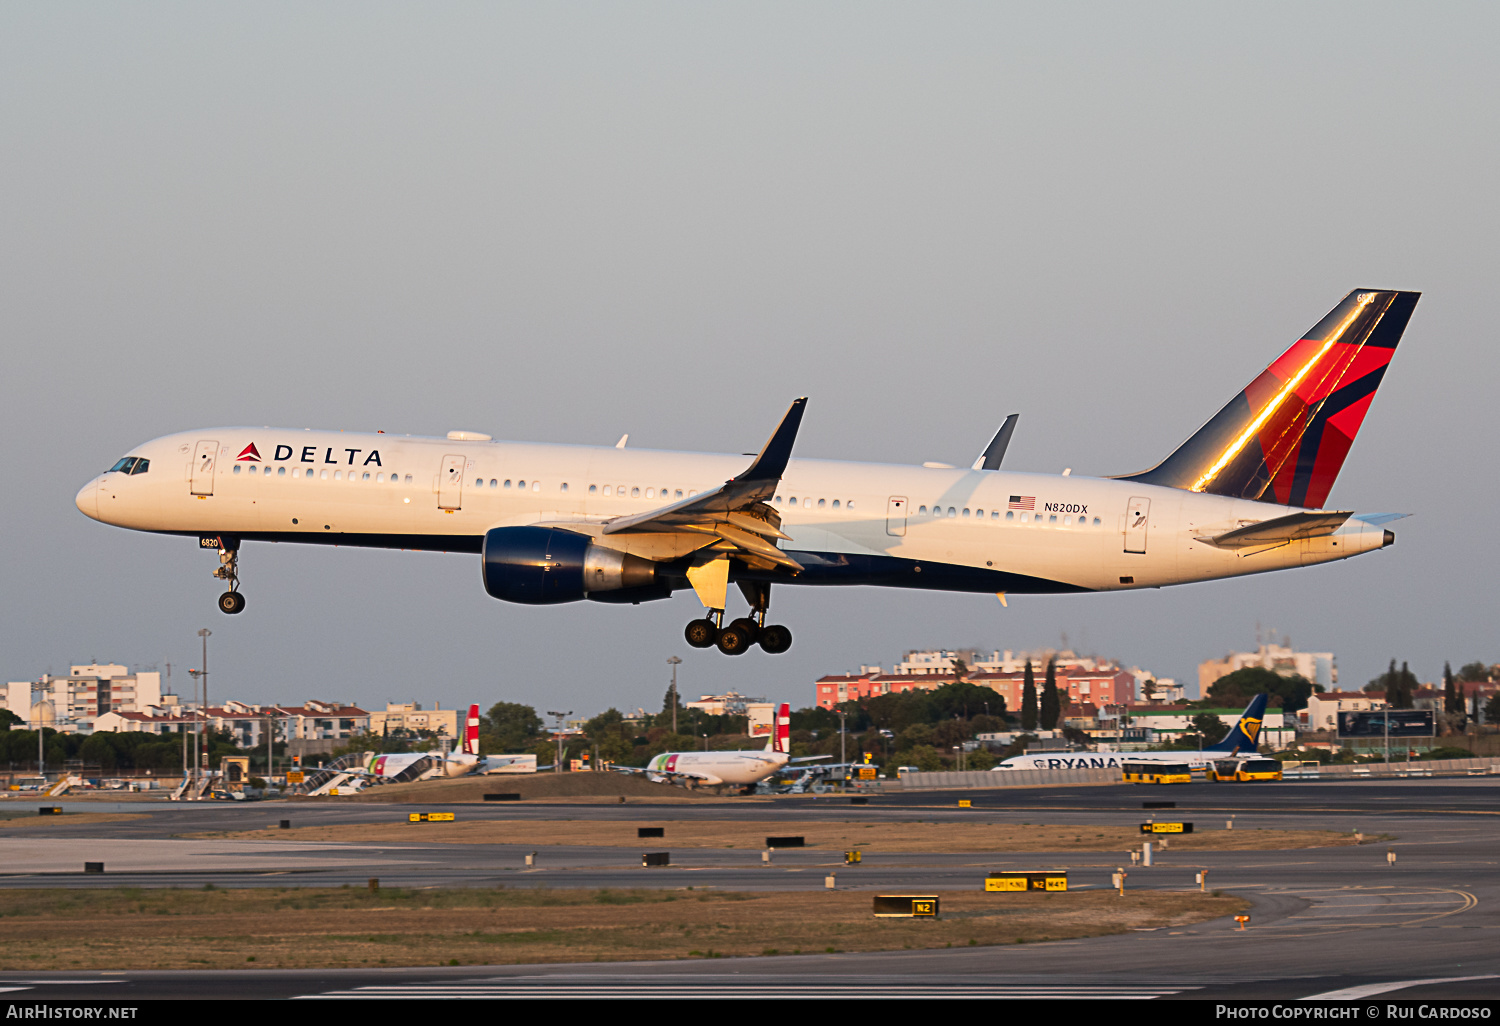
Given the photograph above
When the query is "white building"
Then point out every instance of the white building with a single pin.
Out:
(760, 712)
(311, 721)
(84, 694)
(1319, 667)
(1323, 709)
(1167, 723)
(410, 716)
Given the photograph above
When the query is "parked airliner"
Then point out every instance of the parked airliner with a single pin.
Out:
(560, 523)
(1240, 740)
(716, 769)
(451, 764)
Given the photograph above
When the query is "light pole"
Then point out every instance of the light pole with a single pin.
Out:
(557, 733)
(673, 661)
(197, 676)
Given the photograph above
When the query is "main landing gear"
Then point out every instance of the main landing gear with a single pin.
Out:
(740, 634)
(231, 601)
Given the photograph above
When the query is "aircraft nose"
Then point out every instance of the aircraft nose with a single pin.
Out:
(88, 499)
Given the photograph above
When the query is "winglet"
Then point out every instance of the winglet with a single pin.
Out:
(995, 451)
(771, 463)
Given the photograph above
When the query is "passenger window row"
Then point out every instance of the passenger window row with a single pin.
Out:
(519, 485)
(636, 492)
(1025, 517)
(807, 503)
(307, 472)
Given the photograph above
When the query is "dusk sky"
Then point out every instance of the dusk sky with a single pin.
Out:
(563, 222)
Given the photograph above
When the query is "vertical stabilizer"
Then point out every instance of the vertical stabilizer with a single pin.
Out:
(1283, 439)
(1241, 738)
(471, 732)
(781, 730)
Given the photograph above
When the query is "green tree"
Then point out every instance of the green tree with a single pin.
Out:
(508, 727)
(1475, 673)
(664, 718)
(1210, 728)
(964, 700)
(9, 719)
(1028, 699)
(1492, 708)
(1051, 707)
(1289, 692)
(820, 719)
(1453, 702)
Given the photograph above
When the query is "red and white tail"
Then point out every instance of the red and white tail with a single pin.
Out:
(471, 732)
(781, 730)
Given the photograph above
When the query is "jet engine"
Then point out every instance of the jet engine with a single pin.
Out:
(541, 566)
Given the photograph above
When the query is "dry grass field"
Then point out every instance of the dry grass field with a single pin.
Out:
(10, 819)
(889, 836)
(133, 928)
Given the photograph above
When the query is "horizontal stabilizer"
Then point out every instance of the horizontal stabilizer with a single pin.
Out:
(1376, 519)
(1281, 530)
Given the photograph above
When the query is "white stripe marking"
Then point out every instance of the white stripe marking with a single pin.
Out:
(1371, 989)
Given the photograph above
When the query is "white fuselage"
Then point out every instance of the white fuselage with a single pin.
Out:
(712, 768)
(1106, 760)
(946, 529)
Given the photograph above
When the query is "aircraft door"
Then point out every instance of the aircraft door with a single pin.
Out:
(204, 458)
(895, 516)
(451, 482)
(1136, 517)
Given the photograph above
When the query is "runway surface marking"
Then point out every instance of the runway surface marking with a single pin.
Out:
(1329, 910)
(1371, 989)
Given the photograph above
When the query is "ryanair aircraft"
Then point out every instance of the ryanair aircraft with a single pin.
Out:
(561, 523)
(1239, 741)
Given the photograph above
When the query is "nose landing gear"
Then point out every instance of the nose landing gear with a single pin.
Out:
(231, 601)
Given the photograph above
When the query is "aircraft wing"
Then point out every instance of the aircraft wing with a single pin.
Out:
(737, 513)
(672, 776)
(1281, 530)
(808, 758)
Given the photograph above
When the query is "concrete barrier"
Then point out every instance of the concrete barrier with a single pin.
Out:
(1455, 767)
(1008, 778)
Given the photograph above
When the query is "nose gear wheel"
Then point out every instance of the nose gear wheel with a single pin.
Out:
(228, 571)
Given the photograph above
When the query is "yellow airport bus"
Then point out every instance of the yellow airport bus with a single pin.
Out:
(1244, 769)
(1157, 772)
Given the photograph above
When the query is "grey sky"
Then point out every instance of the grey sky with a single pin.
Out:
(567, 221)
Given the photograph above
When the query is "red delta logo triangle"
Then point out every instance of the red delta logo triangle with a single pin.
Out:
(250, 453)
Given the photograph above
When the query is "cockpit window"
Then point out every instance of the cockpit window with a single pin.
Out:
(141, 466)
(124, 465)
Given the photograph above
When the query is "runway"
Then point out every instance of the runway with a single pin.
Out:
(1325, 921)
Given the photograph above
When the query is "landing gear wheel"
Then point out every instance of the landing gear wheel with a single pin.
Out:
(701, 633)
(775, 639)
(231, 602)
(748, 627)
(734, 639)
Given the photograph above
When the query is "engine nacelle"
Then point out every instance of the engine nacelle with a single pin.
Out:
(541, 566)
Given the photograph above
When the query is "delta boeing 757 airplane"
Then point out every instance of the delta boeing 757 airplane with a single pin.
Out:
(560, 523)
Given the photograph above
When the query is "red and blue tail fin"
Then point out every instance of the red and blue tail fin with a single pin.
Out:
(781, 729)
(1284, 438)
(471, 732)
(1241, 737)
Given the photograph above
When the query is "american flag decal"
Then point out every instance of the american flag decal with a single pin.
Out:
(1022, 502)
